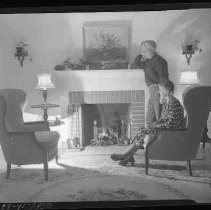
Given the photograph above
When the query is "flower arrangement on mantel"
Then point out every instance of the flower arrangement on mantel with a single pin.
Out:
(83, 64)
(70, 64)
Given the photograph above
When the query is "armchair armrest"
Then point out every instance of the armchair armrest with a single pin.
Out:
(21, 148)
(24, 137)
(171, 134)
(36, 126)
(170, 129)
(21, 138)
(19, 133)
(169, 144)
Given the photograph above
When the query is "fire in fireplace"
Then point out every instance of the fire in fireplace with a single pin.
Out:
(106, 124)
(112, 135)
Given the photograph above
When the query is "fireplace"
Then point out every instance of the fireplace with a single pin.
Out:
(77, 89)
(104, 107)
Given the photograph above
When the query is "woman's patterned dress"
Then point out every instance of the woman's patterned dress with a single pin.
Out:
(172, 116)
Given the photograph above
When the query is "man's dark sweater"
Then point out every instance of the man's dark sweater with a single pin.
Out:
(155, 68)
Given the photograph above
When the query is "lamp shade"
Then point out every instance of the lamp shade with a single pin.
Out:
(44, 81)
(189, 78)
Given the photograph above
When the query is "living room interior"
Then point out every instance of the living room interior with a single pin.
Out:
(44, 55)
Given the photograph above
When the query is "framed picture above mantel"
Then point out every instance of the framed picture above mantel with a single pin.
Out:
(107, 44)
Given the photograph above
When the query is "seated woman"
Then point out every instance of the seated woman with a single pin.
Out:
(172, 116)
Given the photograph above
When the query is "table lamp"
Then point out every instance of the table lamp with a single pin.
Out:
(44, 83)
(189, 78)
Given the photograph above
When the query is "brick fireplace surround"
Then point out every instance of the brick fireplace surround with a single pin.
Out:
(103, 87)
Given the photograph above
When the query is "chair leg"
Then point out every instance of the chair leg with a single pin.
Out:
(189, 167)
(203, 145)
(46, 167)
(146, 165)
(204, 137)
(8, 170)
(57, 158)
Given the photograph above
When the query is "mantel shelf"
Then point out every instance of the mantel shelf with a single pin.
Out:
(102, 71)
(100, 80)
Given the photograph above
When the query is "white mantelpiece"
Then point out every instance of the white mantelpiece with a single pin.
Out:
(100, 80)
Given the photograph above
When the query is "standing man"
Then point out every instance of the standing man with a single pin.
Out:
(156, 70)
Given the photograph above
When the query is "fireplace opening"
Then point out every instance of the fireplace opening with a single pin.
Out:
(108, 116)
(105, 124)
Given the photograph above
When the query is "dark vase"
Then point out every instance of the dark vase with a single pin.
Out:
(59, 68)
(19, 50)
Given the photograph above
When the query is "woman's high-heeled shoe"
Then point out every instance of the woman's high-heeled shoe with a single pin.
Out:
(116, 157)
(127, 160)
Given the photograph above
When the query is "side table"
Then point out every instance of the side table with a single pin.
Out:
(45, 108)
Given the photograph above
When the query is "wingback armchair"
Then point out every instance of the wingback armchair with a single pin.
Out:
(24, 143)
(16, 101)
(182, 144)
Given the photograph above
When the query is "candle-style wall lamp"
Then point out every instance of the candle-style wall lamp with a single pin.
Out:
(21, 52)
(192, 38)
(189, 47)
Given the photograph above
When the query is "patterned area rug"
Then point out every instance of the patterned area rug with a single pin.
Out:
(91, 175)
(105, 188)
(76, 184)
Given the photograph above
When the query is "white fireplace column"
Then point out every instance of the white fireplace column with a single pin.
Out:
(146, 95)
(81, 126)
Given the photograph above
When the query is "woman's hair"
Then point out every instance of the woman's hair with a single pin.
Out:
(169, 85)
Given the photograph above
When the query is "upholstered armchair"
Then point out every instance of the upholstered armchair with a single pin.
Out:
(24, 143)
(182, 144)
(16, 102)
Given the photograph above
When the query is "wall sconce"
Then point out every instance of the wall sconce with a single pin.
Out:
(21, 52)
(189, 48)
